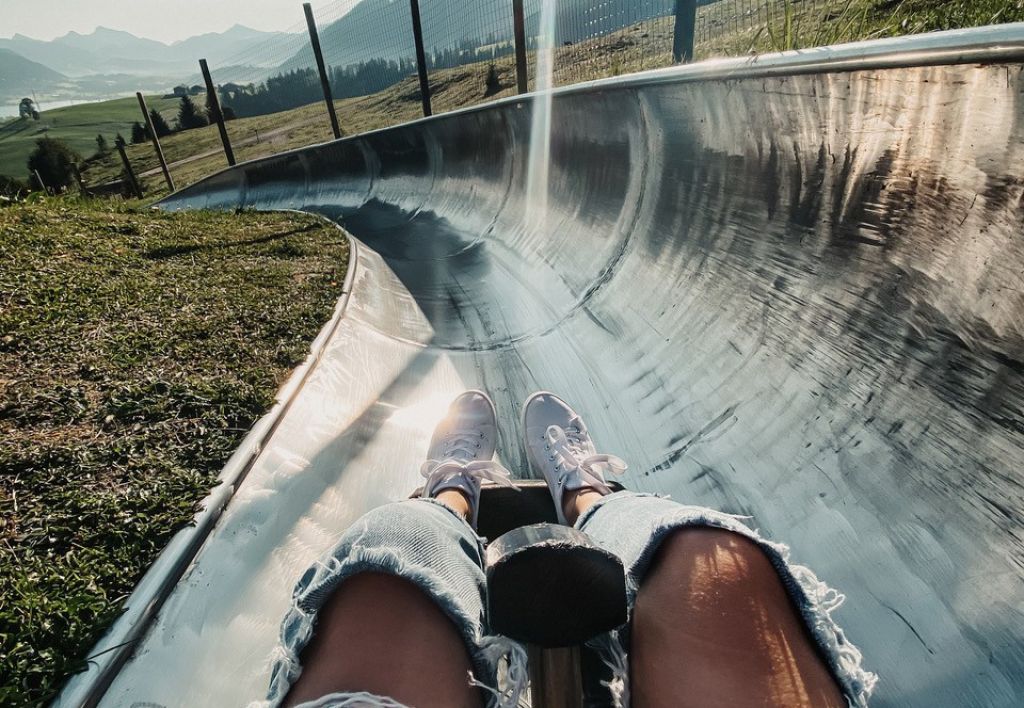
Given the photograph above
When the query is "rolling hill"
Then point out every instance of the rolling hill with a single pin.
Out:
(76, 125)
(19, 75)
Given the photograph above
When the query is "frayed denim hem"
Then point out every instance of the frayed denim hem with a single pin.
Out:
(634, 526)
(428, 544)
(352, 700)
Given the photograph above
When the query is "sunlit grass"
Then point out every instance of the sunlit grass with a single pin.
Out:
(137, 348)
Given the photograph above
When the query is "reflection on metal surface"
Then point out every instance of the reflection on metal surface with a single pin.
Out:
(796, 297)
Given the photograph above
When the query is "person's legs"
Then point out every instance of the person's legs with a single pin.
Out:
(713, 602)
(719, 616)
(396, 612)
(407, 648)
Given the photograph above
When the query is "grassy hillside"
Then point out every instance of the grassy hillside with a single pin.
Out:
(725, 29)
(136, 349)
(778, 25)
(77, 125)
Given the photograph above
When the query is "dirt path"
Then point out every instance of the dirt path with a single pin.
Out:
(269, 135)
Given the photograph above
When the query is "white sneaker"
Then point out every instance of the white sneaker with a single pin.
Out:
(559, 447)
(462, 450)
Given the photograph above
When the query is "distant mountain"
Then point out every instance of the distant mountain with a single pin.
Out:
(107, 51)
(114, 43)
(59, 57)
(19, 75)
(219, 47)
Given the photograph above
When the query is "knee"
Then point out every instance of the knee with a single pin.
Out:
(704, 556)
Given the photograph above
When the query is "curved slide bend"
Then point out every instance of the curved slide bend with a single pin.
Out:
(789, 288)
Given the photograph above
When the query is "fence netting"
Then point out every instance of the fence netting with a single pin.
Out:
(369, 50)
(273, 91)
(274, 95)
(470, 56)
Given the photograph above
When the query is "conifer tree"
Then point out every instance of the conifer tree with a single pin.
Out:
(160, 124)
(189, 115)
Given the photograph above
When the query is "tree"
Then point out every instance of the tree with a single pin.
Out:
(228, 112)
(27, 109)
(139, 133)
(189, 115)
(53, 159)
(119, 140)
(101, 145)
(160, 124)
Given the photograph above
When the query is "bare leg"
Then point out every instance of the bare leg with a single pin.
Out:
(714, 626)
(577, 501)
(382, 634)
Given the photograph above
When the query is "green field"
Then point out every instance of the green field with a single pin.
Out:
(137, 348)
(76, 125)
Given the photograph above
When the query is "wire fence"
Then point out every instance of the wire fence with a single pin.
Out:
(381, 69)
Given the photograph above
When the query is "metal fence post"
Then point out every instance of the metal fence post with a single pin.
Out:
(218, 116)
(156, 140)
(314, 39)
(421, 57)
(686, 25)
(520, 30)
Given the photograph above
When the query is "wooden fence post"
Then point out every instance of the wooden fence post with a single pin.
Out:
(325, 83)
(218, 116)
(77, 174)
(686, 26)
(134, 183)
(421, 56)
(156, 140)
(519, 22)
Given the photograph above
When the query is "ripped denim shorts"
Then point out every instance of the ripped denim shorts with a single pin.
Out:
(428, 544)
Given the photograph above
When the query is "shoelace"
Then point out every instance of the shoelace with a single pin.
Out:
(567, 451)
(451, 466)
(441, 470)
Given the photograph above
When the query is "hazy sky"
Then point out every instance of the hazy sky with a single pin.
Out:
(165, 20)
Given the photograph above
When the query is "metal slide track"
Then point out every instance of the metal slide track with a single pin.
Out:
(789, 287)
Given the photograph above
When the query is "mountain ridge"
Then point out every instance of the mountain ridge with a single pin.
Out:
(19, 75)
(112, 51)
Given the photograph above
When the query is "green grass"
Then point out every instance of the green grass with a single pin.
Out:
(136, 350)
(801, 25)
(76, 125)
(265, 135)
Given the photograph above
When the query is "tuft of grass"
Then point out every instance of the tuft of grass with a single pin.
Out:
(900, 17)
(800, 24)
(802, 27)
(137, 348)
